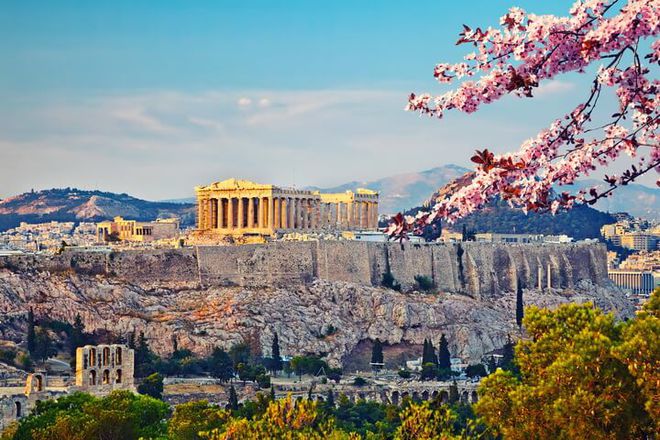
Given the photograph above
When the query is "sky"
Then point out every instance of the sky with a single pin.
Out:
(153, 98)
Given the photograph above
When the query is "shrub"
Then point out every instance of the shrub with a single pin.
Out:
(424, 283)
(390, 282)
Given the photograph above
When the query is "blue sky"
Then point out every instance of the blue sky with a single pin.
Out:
(154, 97)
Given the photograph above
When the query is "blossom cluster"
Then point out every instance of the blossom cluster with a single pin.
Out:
(527, 50)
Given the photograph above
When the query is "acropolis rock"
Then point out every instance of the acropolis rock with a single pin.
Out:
(218, 296)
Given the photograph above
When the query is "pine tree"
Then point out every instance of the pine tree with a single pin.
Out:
(519, 305)
(465, 233)
(131, 340)
(31, 336)
(492, 365)
(233, 399)
(425, 352)
(275, 354)
(377, 354)
(444, 357)
(453, 393)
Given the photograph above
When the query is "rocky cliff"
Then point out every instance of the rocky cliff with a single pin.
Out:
(163, 299)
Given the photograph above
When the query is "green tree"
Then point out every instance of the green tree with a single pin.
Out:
(220, 365)
(275, 355)
(444, 357)
(239, 354)
(421, 422)
(377, 354)
(519, 304)
(191, 418)
(573, 382)
(477, 370)
(453, 393)
(152, 385)
(43, 345)
(233, 399)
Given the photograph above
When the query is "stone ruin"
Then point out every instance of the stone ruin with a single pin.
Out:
(101, 369)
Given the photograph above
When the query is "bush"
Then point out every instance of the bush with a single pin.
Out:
(390, 282)
(424, 283)
(152, 385)
(404, 374)
(359, 381)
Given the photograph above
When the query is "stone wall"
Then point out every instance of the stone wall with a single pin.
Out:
(477, 269)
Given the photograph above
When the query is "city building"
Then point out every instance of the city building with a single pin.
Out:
(492, 237)
(120, 229)
(240, 207)
(634, 280)
(639, 241)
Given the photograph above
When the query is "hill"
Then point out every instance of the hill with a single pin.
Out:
(405, 191)
(71, 204)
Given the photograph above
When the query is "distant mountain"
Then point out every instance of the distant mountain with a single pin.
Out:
(638, 200)
(404, 191)
(70, 204)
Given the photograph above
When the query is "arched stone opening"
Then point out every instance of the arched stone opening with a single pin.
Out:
(444, 396)
(92, 357)
(19, 409)
(464, 397)
(415, 396)
(106, 356)
(434, 394)
(106, 377)
(395, 398)
(38, 382)
(118, 356)
(425, 395)
(92, 377)
(118, 376)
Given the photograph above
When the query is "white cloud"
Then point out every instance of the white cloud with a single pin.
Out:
(554, 87)
(244, 102)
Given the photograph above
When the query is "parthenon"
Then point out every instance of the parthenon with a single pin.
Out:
(241, 207)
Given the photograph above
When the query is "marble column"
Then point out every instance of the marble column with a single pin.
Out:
(277, 221)
(291, 205)
(214, 213)
(284, 216)
(221, 211)
(200, 214)
(230, 213)
(303, 213)
(250, 220)
(260, 217)
(241, 213)
(271, 217)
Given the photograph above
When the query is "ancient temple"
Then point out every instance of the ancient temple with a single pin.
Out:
(241, 207)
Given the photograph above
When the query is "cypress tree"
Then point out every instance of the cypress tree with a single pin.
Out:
(377, 353)
(272, 393)
(31, 335)
(453, 393)
(444, 357)
(433, 358)
(233, 399)
(425, 353)
(275, 354)
(330, 400)
(519, 304)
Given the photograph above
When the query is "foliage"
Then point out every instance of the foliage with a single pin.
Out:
(31, 333)
(152, 385)
(424, 283)
(283, 419)
(359, 381)
(377, 354)
(578, 378)
(275, 355)
(529, 50)
(421, 422)
(404, 374)
(444, 357)
(220, 365)
(313, 365)
(519, 304)
(191, 418)
(390, 282)
(120, 415)
(477, 370)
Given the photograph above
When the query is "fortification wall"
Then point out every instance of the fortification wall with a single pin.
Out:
(476, 269)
